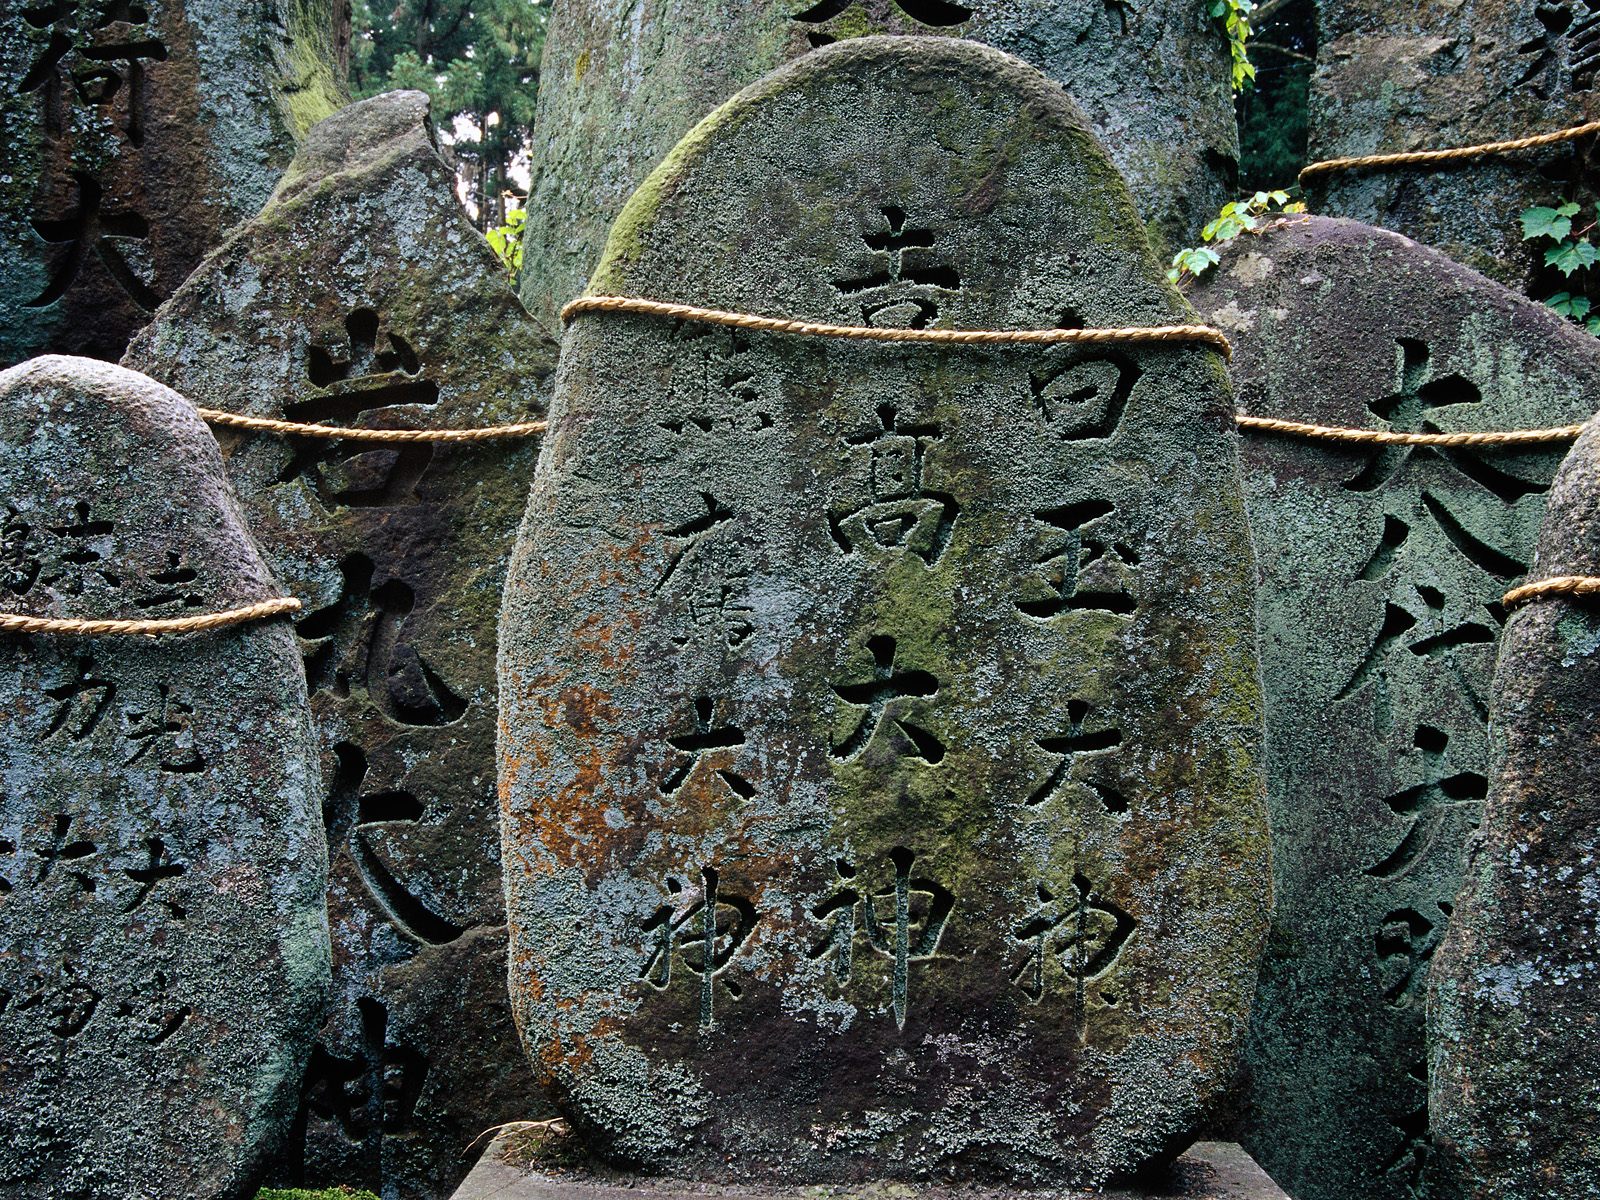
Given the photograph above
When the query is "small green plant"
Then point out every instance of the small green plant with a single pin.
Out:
(1571, 252)
(333, 1193)
(1234, 17)
(506, 240)
(1236, 217)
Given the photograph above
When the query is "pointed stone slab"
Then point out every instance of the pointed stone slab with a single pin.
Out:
(618, 89)
(136, 132)
(363, 295)
(879, 724)
(1512, 1001)
(1381, 574)
(1434, 75)
(163, 941)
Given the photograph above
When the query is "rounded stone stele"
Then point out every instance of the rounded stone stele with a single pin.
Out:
(880, 723)
(1515, 1083)
(163, 939)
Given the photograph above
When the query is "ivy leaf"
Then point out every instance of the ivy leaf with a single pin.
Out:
(1593, 325)
(1571, 256)
(1568, 305)
(1550, 223)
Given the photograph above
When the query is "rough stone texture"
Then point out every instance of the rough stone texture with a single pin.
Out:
(1206, 1171)
(621, 82)
(1439, 73)
(362, 293)
(1381, 572)
(163, 942)
(1513, 1004)
(133, 133)
(880, 725)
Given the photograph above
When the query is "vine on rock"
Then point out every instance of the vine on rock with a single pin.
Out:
(1236, 217)
(1572, 252)
(1234, 17)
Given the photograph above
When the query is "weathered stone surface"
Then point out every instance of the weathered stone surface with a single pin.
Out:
(879, 724)
(1381, 572)
(1439, 73)
(362, 294)
(133, 133)
(163, 941)
(1513, 1003)
(1206, 1171)
(621, 83)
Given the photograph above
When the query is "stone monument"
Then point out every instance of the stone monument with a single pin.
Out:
(1513, 996)
(1437, 74)
(1381, 575)
(620, 84)
(363, 296)
(163, 940)
(879, 722)
(133, 134)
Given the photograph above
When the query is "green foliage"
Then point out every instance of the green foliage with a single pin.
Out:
(1571, 252)
(1234, 17)
(478, 60)
(336, 1193)
(1236, 217)
(506, 240)
(1273, 124)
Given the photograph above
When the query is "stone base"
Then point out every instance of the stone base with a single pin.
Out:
(1207, 1171)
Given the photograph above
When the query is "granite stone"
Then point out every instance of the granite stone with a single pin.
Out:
(1381, 573)
(363, 295)
(133, 134)
(880, 723)
(1513, 1001)
(622, 82)
(163, 938)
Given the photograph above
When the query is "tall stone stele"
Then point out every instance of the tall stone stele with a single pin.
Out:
(362, 295)
(163, 940)
(1513, 1000)
(1436, 74)
(1381, 576)
(133, 133)
(621, 83)
(880, 723)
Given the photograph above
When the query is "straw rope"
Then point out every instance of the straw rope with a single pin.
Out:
(1197, 334)
(72, 627)
(1387, 437)
(1560, 585)
(272, 425)
(1416, 158)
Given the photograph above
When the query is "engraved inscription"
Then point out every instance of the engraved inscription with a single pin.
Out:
(707, 742)
(933, 14)
(1084, 742)
(1079, 566)
(896, 513)
(1074, 939)
(903, 282)
(700, 929)
(1568, 36)
(1079, 398)
(886, 703)
(902, 921)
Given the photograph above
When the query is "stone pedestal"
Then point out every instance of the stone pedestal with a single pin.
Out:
(1206, 1171)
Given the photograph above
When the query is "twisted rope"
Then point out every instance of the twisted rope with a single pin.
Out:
(71, 627)
(1198, 334)
(1386, 437)
(1413, 158)
(272, 425)
(1560, 585)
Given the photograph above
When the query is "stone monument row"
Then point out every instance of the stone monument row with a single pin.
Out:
(820, 664)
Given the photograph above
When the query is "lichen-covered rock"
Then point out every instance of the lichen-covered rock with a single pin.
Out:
(621, 83)
(163, 940)
(363, 295)
(880, 723)
(1434, 74)
(133, 134)
(1381, 572)
(1514, 999)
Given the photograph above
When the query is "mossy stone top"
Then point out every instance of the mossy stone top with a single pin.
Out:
(1434, 74)
(1381, 574)
(133, 135)
(362, 295)
(163, 940)
(879, 743)
(620, 84)
(1515, 988)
